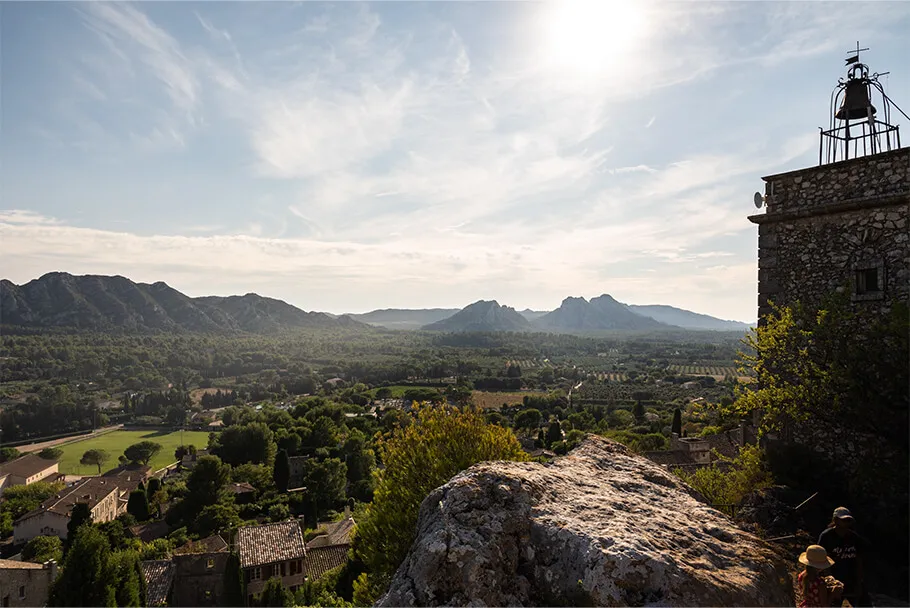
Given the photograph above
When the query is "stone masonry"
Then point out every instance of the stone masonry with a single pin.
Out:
(835, 227)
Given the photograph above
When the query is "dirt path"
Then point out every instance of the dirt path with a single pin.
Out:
(35, 447)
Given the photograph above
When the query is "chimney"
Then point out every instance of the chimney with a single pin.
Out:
(51, 567)
(347, 511)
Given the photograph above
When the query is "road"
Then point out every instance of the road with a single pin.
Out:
(35, 447)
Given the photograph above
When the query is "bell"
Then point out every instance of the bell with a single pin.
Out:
(856, 102)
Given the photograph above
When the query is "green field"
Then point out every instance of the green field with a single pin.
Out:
(115, 442)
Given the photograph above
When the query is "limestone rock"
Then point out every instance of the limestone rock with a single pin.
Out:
(598, 527)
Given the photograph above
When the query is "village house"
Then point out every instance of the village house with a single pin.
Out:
(689, 453)
(51, 518)
(274, 549)
(193, 576)
(189, 460)
(26, 470)
(330, 548)
(25, 583)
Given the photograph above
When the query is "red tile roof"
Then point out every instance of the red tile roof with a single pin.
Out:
(269, 543)
(320, 560)
(335, 533)
(159, 574)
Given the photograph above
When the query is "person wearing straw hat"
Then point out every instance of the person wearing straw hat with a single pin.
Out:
(843, 544)
(818, 590)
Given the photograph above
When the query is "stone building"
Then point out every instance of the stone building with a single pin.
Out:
(193, 576)
(271, 550)
(51, 518)
(841, 226)
(25, 583)
(26, 470)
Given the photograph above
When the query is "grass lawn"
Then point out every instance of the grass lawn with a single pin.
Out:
(494, 400)
(398, 391)
(115, 442)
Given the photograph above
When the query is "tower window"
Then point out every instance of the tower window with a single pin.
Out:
(867, 281)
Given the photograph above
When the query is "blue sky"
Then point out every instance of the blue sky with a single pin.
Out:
(346, 156)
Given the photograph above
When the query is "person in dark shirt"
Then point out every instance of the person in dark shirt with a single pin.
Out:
(847, 548)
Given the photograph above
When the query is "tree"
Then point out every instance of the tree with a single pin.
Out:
(275, 594)
(528, 419)
(440, 442)
(206, 482)
(325, 481)
(125, 576)
(85, 578)
(216, 518)
(638, 410)
(51, 453)
(677, 422)
(43, 548)
(94, 457)
(240, 444)
(138, 505)
(142, 452)
(554, 432)
(234, 593)
(154, 486)
(81, 515)
(281, 473)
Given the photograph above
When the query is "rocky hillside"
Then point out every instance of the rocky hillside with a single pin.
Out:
(401, 318)
(599, 527)
(483, 316)
(105, 303)
(686, 318)
(601, 313)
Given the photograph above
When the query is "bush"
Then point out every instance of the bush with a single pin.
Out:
(728, 481)
(418, 458)
(43, 548)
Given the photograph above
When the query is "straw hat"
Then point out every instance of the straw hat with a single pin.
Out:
(816, 557)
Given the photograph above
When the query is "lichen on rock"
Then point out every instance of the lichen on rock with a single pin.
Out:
(598, 527)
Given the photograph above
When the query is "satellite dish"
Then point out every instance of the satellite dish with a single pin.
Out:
(759, 200)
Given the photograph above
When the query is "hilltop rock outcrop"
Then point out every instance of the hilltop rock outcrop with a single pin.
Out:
(599, 527)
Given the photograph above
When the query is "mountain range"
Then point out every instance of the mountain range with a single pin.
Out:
(101, 303)
(104, 303)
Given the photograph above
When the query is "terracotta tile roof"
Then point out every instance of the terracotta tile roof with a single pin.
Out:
(26, 466)
(336, 533)
(210, 544)
(90, 490)
(320, 560)
(9, 564)
(241, 488)
(669, 457)
(150, 531)
(159, 574)
(270, 543)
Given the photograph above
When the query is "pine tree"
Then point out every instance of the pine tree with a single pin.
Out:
(281, 473)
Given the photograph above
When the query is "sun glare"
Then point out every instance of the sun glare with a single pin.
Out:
(591, 36)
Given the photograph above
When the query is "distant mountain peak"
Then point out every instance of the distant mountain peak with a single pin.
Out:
(483, 315)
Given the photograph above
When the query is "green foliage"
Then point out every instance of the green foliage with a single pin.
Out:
(240, 444)
(216, 518)
(85, 577)
(638, 411)
(234, 593)
(676, 427)
(257, 475)
(439, 443)
(43, 548)
(528, 419)
(124, 577)
(142, 452)
(279, 512)
(728, 483)
(138, 505)
(19, 500)
(206, 482)
(95, 457)
(154, 486)
(51, 453)
(554, 432)
(814, 365)
(275, 594)
(7, 454)
(281, 473)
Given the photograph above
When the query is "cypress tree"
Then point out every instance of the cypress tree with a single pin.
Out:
(282, 471)
(138, 505)
(234, 594)
(85, 574)
(677, 422)
(638, 410)
(79, 516)
(554, 433)
(154, 486)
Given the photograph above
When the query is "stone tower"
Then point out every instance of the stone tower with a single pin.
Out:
(842, 225)
(835, 227)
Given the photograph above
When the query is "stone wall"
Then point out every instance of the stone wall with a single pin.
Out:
(26, 584)
(825, 224)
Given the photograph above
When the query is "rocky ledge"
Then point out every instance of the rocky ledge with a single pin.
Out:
(598, 527)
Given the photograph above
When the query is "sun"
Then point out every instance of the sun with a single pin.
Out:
(591, 36)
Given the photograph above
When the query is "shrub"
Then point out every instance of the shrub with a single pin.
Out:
(728, 481)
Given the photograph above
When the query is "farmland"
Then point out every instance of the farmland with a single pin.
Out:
(705, 370)
(495, 400)
(114, 443)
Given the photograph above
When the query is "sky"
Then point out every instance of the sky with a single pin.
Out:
(345, 157)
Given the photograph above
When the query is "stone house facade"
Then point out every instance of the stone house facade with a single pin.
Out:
(52, 516)
(834, 227)
(25, 583)
(271, 550)
(26, 470)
